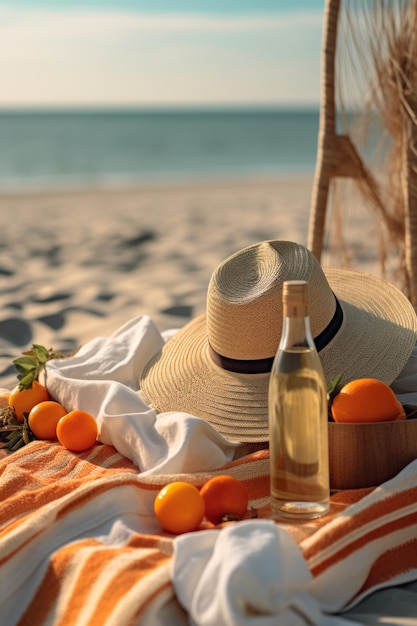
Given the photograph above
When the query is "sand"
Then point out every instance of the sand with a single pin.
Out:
(77, 264)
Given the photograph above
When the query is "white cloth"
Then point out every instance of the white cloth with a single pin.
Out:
(102, 378)
(247, 574)
(405, 385)
(253, 573)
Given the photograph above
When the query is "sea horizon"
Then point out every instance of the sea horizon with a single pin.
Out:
(61, 147)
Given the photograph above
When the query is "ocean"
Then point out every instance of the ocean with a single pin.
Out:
(53, 148)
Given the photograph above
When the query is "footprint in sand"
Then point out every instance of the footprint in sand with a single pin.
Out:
(16, 331)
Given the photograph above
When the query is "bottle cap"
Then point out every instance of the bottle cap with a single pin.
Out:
(295, 291)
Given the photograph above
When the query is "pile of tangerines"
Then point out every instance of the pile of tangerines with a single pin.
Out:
(47, 419)
(180, 507)
(32, 412)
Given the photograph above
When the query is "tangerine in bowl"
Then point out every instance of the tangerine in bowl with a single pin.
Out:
(366, 400)
(372, 437)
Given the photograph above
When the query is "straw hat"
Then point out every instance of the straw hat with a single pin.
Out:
(217, 366)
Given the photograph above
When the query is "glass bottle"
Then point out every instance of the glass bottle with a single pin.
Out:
(298, 418)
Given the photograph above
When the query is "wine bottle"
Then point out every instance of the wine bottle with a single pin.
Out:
(298, 418)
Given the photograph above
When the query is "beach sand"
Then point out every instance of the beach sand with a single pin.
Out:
(78, 264)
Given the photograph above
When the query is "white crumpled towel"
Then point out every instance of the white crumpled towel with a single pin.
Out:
(247, 574)
(253, 573)
(102, 378)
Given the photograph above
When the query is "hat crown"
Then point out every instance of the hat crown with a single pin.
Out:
(244, 299)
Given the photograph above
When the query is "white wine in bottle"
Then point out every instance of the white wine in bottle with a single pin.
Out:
(298, 418)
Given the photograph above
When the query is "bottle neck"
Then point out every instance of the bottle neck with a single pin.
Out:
(295, 310)
(296, 331)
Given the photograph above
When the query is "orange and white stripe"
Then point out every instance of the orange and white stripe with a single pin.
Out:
(79, 543)
(71, 540)
(370, 545)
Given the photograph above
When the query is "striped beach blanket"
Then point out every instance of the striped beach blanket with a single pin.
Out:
(79, 543)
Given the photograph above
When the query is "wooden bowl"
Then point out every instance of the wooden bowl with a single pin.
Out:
(366, 455)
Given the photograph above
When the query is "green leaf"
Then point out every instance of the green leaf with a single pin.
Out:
(334, 385)
(28, 371)
(31, 364)
(40, 353)
(24, 364)
(25, 382)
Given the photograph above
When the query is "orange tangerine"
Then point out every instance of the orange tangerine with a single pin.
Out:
(44, 417)
(225, 497)
(23, 401)
(366, 400)
(77, 430)
(179, 507)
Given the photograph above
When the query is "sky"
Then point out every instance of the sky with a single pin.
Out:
(127, 53)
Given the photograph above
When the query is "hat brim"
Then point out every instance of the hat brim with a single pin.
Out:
(375, 340)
